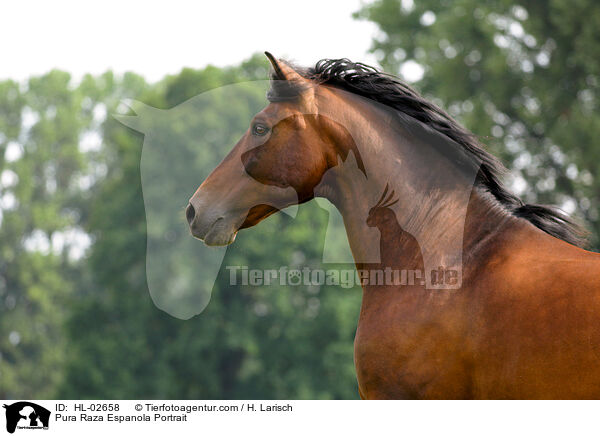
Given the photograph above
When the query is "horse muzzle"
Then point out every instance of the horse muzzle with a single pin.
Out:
(210, 227)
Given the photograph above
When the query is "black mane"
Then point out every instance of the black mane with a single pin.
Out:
(389, 90)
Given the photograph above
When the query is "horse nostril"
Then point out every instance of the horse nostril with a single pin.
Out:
(190, 213)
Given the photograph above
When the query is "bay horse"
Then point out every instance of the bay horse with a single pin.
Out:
(520, 320)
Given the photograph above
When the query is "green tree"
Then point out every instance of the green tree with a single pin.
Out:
(42, 172)
(522, 76)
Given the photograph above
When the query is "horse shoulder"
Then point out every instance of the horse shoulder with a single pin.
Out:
(536, 321)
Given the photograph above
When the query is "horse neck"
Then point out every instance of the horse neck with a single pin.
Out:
(434, 198)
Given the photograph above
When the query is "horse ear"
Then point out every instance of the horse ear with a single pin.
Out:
(282, 70)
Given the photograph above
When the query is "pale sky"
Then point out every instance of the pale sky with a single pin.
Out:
(158, 38)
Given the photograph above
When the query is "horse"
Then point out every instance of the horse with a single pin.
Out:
(518, 314)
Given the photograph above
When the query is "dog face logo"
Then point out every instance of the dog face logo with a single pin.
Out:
(26, 415)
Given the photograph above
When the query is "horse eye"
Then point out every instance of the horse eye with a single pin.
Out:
(259, 129)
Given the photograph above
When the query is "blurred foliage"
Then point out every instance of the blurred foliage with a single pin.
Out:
(522, 75)
(41, 167)
(81, 324)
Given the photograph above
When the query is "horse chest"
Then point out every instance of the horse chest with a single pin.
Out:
(401, 352)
